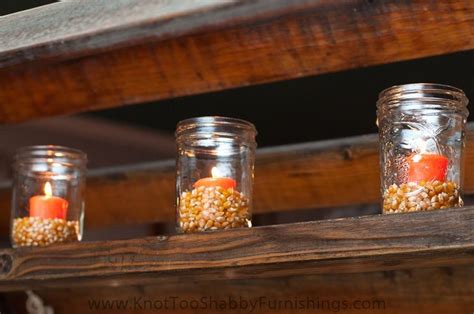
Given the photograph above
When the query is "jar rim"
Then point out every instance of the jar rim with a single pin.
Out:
(209, 123)
(35, 152)
(430, 93)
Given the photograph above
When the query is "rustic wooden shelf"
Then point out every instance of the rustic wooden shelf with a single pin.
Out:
(75, 56)
(354, 245)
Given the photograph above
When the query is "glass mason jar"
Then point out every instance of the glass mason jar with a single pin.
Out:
(214, 173)
(48, 195)
(421, 131)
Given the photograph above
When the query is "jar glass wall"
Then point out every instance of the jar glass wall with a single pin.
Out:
(214, 173)
(48, 195)
(421, 130)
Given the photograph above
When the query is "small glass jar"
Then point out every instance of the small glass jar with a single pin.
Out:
(48, 195)
(214, 173)
(421, 130)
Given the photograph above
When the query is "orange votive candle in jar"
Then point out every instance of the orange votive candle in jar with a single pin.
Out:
(47, 199)
(214, 173)
(421, 131)
(216, 181)
(48, 206)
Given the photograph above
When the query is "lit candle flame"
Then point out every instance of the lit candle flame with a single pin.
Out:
(48, 190)
(215, 172)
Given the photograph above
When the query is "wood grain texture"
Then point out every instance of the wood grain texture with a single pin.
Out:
(206, 47)
(303, 176)
(431, 290)
(351, 245)
(70, 28)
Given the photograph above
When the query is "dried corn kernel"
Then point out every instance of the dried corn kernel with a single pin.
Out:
(212, 208)
(409, 197)
(36, 231)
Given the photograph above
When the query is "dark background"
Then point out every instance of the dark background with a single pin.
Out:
(308, 109)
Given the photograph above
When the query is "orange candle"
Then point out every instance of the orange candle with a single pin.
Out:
(427, 167)
(216, 180)
(48, 206)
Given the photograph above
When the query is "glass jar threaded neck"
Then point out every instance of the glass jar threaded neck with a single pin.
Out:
(421, 96)
(216, 128)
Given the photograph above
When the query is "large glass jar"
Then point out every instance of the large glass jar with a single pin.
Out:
(214, 173)
(48, 195)
(421, 129)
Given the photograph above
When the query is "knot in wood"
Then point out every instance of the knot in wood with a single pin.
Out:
(5, 263)
(162, 238)
(348, 154)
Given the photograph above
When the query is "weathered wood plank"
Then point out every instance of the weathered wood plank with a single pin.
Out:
(350, 245)
(67, 29)
(159, 49)
(431, 290)
(323, 174)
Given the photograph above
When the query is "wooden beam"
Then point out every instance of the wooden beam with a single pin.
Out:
(350, 245)
(431, 290)
(70, 57)
(302, 176)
